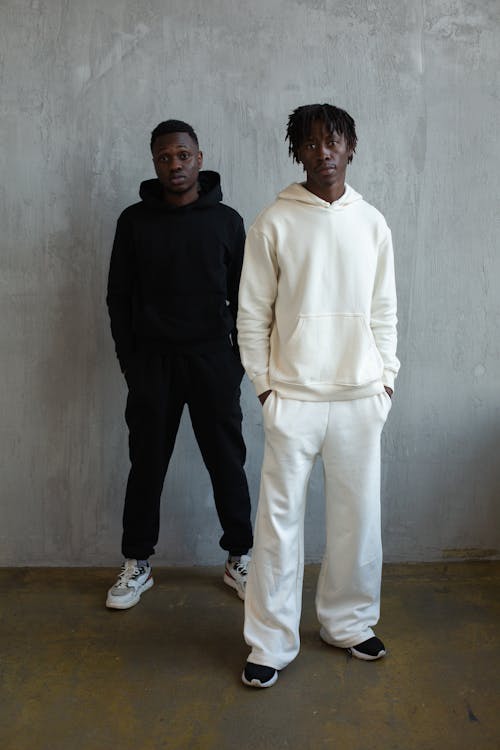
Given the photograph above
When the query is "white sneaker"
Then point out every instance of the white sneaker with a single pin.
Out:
(235, 574)
(130, 584)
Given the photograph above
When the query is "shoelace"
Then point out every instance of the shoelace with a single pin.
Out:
(241, 568)
(128, 572)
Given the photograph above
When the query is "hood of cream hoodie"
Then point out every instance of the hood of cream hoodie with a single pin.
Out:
(317, 305)
(298, 193)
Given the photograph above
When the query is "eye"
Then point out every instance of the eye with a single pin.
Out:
(162, 159)
(184, 155)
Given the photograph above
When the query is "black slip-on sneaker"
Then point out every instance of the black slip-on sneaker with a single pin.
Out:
(256, 675)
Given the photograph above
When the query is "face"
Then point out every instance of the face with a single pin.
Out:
(177, 161)
(325, 157)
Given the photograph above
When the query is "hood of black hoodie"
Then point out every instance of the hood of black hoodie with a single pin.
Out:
(151, 192)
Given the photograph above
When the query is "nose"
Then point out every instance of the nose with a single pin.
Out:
(323, 151)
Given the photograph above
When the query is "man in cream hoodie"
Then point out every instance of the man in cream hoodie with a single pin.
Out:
(317, 336)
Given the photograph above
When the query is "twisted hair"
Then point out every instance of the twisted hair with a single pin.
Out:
(335, 119)
(173, 126)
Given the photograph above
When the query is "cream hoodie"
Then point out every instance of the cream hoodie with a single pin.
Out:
(317, 302)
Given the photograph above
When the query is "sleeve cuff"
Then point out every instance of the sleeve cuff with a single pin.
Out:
(261, 383)
(388, 378)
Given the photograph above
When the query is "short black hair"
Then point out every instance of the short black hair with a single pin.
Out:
(173, 126)
(302, 118)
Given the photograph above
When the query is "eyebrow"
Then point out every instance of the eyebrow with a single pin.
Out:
(175, 145)
(331, 134)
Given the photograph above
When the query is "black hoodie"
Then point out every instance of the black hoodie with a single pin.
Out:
(174, 272)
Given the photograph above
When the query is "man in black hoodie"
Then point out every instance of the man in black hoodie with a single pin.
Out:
(172, 300)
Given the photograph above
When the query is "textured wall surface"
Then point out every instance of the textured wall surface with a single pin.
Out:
(83, 84)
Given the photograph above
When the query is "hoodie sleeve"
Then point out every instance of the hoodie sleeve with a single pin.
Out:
(234, 274)
(258, 290)
(383, 310)
(120, 292)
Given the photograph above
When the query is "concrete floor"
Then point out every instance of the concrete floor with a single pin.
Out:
(165, 675)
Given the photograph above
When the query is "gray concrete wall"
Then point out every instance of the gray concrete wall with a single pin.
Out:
(83, 83)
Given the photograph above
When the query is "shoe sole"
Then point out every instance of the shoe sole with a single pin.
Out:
(110, 604)
(351, 651)
(232, 583)
(365, 657)
(257, 683)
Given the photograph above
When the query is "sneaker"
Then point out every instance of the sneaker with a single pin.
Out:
(256, 675)
(235, 574)
(368, 650)
(129, 586)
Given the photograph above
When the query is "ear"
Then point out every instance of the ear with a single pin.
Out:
(200, 159)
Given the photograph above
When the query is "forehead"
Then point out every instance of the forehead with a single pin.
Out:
(174, 141)
(321, 129)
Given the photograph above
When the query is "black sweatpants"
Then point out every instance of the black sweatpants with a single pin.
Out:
(159, 386)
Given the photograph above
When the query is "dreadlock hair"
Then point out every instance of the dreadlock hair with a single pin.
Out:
(302, 118)
(173, 126)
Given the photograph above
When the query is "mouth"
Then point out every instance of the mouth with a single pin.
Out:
(176, 179)
(326, 169)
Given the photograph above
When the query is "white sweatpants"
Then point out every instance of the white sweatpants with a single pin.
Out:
(346, 434)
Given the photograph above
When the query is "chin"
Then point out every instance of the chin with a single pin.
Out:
(177, 189)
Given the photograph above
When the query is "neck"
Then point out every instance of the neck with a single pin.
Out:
(329, 194)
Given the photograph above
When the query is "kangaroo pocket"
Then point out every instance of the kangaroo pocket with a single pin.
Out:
(333, 349)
